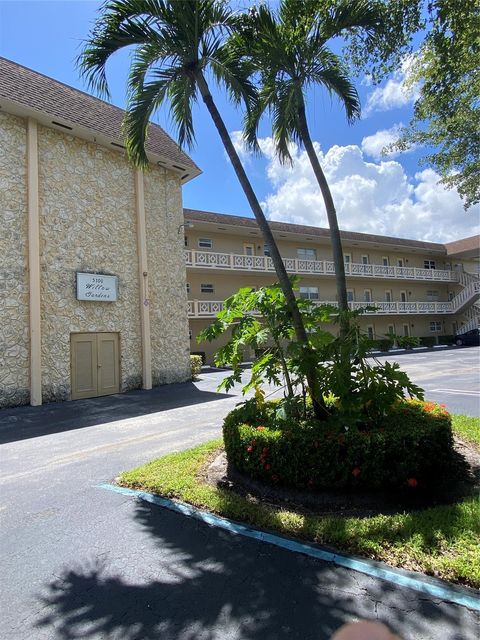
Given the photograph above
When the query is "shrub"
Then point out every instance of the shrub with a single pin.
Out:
(195, 366)
(407, 342)
(385, 344)
(412, 446)
(428, 341)
(445, 339)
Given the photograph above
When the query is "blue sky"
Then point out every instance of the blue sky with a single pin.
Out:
(393, 196)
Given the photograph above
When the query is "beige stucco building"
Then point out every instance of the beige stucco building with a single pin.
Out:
(422, 289)
(78, 221)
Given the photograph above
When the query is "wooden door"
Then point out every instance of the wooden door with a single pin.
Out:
(95, 364)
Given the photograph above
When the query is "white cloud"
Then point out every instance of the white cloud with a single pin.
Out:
(370, 197)
(373, 145)
(397, 92)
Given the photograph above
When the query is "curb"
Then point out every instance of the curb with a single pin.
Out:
(424, 584)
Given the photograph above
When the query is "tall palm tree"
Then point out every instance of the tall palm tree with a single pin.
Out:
(288, 48)
(176, 44)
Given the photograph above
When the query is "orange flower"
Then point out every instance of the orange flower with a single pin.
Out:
(260, 427)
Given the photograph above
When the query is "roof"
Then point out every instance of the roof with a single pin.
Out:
(286, 227)
(465, 248)
(35, 92)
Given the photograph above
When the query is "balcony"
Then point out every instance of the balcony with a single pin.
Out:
(209, 308)
(264, 264)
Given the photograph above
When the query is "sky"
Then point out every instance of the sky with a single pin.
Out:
(393, 195)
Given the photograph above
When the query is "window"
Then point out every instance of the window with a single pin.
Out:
(207, 288)
(400, 262)
(370, 331)
(248, 249)
(432, 296)
(188, 287)
(391, 329)
(367, 295)
(306, 254)
(350, 295)
(435, 326)
(429, 264)
(385, 261)
(388, 295)
(347, 257)
(266, 250)
(309, 293)
(185, 241)
(205, 243)
(403, 296)
(365, 260)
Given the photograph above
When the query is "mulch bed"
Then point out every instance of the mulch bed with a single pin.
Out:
(465, 482)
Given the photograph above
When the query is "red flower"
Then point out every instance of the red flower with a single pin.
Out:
(249, 449)
(261, 427)
(412, 482)
(355, 472)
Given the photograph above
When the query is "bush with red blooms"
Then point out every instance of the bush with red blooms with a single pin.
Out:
(411, 448)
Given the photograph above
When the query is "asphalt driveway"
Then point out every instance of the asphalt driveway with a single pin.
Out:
(81, 562)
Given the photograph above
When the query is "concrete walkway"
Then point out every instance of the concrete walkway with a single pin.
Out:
(81, 562)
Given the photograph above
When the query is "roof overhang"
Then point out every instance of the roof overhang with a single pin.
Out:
(7, 105)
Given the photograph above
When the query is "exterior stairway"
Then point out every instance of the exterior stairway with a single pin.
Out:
(467, 301)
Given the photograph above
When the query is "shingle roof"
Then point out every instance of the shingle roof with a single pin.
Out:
(241, 221)
(465, 246)
(43, 94)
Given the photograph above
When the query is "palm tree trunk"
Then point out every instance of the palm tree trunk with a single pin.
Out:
(264, 227)
(332, 220)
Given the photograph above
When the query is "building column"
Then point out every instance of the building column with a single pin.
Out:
(34, 264)
(143, 281)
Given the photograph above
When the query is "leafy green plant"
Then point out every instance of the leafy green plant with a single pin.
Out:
(260, 319)
(195, 366)
(407, 342)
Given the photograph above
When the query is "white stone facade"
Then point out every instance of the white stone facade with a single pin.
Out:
(88, 223)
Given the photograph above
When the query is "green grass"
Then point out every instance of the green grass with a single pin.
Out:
(442, 541)
(468, 429)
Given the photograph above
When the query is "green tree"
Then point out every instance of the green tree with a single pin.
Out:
(288, 49)
(446, 118)
(176, 44)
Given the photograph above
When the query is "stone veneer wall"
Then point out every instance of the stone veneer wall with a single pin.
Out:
(166, 278)
(14, 331)
(88, 223)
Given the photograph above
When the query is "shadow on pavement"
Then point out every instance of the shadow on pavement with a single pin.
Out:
(201, 583)
(21, 423)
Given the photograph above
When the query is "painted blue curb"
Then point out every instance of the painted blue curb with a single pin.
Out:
(424, 584)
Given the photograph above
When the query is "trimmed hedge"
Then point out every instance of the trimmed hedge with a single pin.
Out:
(195, 366)
(413, 447)
(428, 341)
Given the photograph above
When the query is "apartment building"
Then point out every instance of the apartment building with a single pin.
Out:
(418, 288)
(92, 272)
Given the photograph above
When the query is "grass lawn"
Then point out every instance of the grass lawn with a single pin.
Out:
(466, 428)
(442, 541)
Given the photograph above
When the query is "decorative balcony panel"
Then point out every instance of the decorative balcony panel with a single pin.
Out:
(259, 264)
(209, 308)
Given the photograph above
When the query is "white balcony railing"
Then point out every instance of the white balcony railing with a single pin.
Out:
(239, 262)
(209, 308)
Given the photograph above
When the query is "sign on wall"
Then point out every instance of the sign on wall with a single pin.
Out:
(94, 286)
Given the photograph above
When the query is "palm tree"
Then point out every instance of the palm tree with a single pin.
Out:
(175, 45)
(288, 49)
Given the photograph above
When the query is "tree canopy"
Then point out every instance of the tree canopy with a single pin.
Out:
(446, 116)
